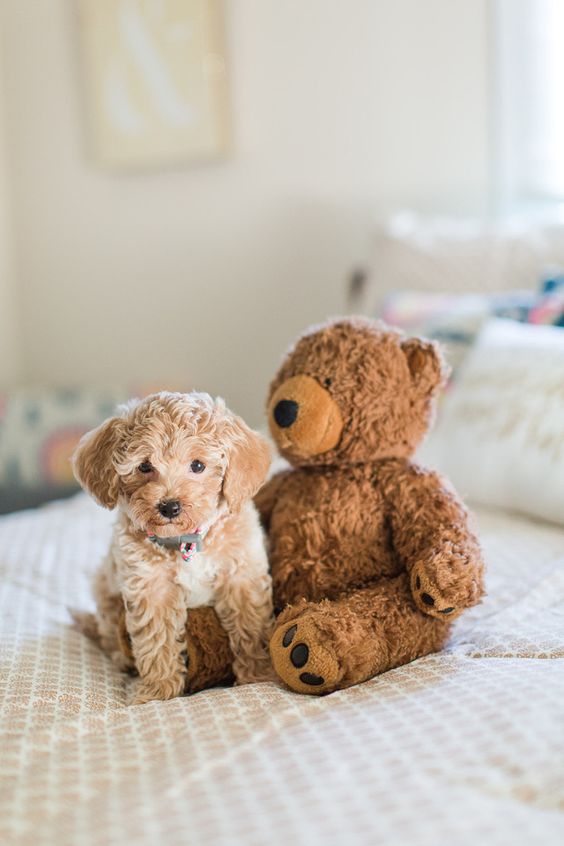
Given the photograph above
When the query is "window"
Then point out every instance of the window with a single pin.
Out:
(529, 101)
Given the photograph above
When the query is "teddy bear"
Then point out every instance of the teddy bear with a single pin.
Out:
(371, 556)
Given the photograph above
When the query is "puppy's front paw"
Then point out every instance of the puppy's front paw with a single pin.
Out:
(141, 694)
(146, 691)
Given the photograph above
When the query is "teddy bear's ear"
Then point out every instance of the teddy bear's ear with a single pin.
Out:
(248, 460)
(425, 362)
(93, 463)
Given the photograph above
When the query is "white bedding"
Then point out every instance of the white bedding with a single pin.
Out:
(464, 747)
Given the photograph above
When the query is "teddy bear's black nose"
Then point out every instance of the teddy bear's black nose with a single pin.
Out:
(285, 413)
(170, 508)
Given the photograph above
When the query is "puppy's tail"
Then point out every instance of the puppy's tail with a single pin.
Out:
(86, 623)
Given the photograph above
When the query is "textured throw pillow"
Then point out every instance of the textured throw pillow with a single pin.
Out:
(415, 253)
(500, 435)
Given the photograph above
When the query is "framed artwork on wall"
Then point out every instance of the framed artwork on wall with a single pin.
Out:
(155, 80)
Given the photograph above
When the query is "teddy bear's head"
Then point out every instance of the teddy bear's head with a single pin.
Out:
(353, 390)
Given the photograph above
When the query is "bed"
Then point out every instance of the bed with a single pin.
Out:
(466, 746)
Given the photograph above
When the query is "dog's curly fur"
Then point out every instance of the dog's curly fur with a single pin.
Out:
(168, 432)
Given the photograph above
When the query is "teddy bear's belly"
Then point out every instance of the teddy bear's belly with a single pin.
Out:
(320, 548)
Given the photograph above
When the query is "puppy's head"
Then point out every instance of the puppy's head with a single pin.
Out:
(172, 462)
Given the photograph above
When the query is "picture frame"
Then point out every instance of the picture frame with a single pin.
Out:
(155, 80)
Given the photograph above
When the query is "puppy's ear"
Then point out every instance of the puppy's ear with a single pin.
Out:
(426, 364)
(93, 464)
(248, 460)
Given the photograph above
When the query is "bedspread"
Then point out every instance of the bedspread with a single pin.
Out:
(466, 746)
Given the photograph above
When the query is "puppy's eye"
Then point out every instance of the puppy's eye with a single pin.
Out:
(145, 467)
(197, 466)
(328, 383)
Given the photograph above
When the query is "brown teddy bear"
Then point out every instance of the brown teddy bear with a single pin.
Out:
(371, 556)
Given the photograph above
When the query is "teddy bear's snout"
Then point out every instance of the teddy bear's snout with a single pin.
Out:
(304, 418)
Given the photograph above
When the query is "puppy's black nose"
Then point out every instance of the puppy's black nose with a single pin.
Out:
(170, 508)
(285, 413)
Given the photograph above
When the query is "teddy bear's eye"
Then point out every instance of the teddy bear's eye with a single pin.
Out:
(197, 466)
(145, 467)
(328, 382)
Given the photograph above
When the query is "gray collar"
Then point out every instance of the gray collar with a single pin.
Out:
(175, 543)
(186, 545)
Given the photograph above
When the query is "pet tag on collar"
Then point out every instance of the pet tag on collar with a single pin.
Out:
(187, 550)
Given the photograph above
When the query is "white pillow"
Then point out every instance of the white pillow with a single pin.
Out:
(500, 434)
(416, 253)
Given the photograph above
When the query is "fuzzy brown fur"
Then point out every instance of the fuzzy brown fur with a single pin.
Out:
(371, 556)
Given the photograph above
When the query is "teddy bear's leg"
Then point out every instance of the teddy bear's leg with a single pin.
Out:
(325, 646)
(210, 660)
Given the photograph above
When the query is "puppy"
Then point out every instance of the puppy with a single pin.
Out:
(182, 471)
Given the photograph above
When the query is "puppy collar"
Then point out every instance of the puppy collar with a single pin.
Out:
(187, 545)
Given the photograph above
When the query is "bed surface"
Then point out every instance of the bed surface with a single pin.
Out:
(466, 746)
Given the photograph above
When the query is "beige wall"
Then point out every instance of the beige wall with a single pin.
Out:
(342, 110)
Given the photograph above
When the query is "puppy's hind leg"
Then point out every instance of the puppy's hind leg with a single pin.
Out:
(106, 627)
(86, 623)
(115, 643)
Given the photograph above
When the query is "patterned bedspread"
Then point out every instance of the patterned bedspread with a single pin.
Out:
(464, 747)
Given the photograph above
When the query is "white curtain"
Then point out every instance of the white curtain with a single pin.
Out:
(528, 106)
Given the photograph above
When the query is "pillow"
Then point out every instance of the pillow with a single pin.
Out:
(550, 306)
(39, 428)
(412, 252)
(500, 435)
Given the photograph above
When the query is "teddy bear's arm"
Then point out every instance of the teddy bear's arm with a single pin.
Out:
(432, 536)
(266, 498)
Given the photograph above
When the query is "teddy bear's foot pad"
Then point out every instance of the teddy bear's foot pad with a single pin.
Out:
(297, 647)
(299, 657)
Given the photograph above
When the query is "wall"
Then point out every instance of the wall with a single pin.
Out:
(342, 110)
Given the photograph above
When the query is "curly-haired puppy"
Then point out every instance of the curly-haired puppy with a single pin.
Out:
(182, 470)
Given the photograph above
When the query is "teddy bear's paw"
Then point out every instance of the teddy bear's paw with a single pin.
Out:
(303, 658)
(442, 602)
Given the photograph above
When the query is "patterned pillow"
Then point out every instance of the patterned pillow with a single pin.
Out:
(39, 429)
(549, 308)
(456, 319)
